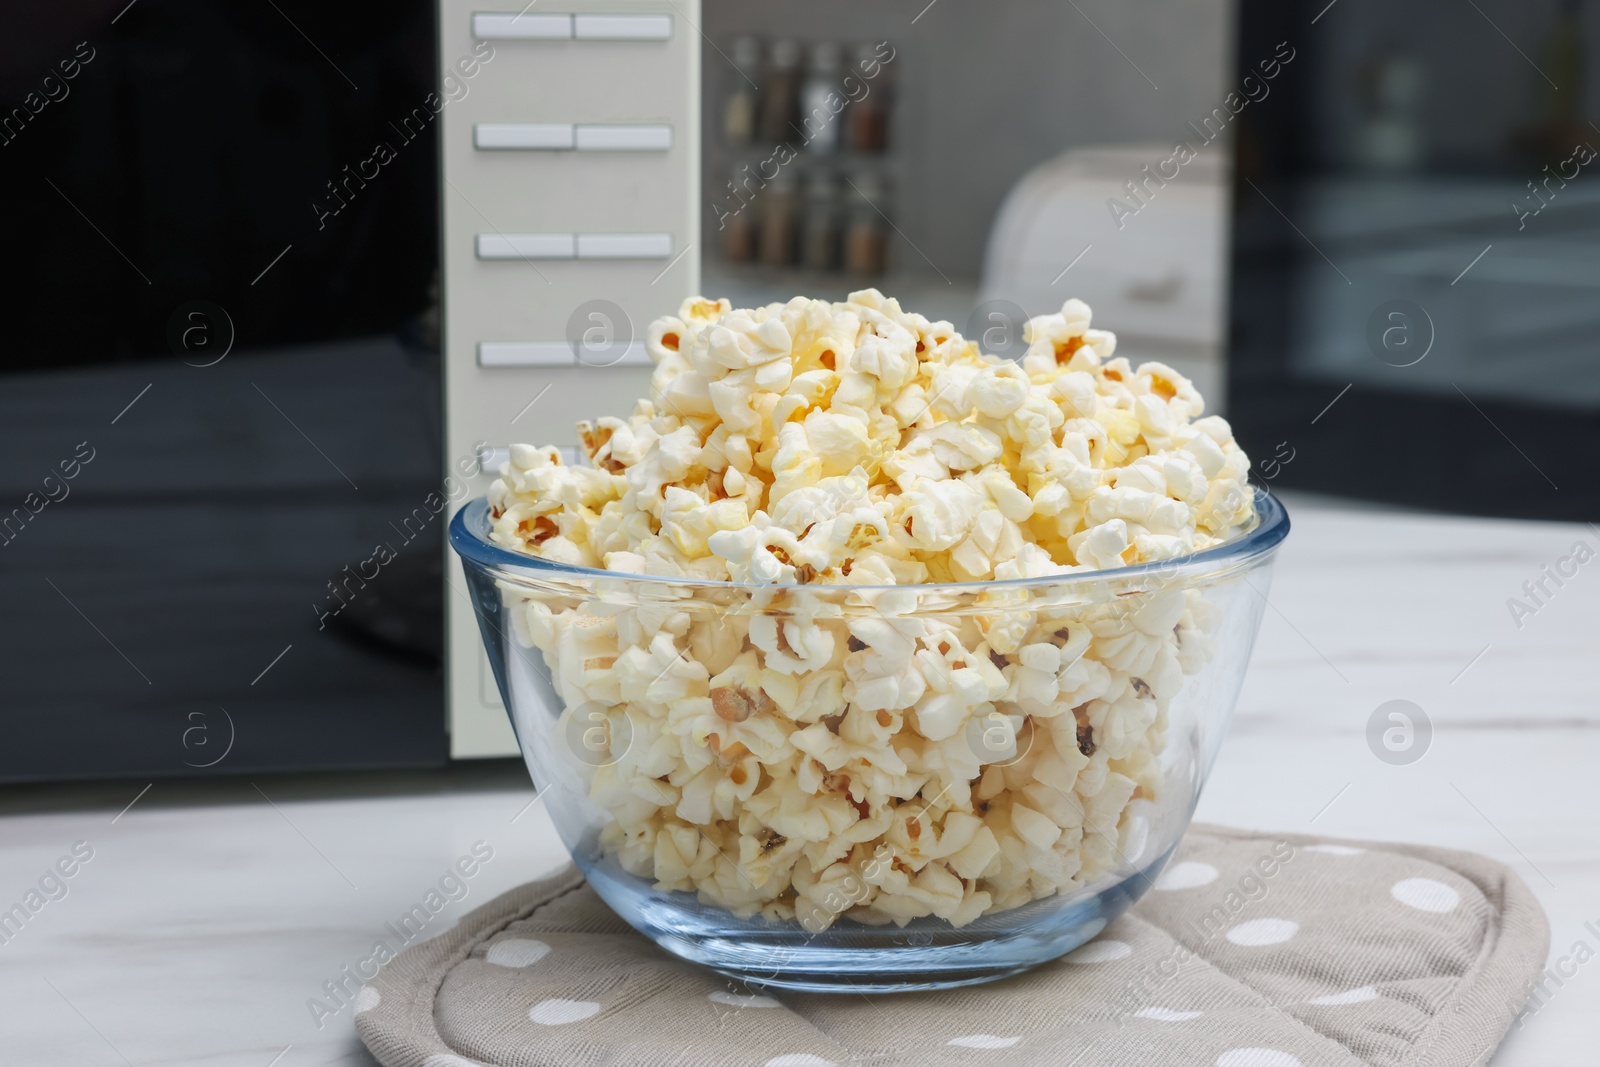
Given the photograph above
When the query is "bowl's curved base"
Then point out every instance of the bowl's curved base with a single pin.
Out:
(899, 983)
(922, 955)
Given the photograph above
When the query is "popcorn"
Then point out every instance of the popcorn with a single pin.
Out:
(866, 748)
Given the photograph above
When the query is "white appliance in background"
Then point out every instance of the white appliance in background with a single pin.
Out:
(570, 167)
(1148, 260)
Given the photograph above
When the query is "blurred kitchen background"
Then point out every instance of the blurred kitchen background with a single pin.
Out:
(971, 165)
(1409, 232)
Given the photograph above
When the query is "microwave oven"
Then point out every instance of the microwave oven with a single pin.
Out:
(287, 280)
(290, 279)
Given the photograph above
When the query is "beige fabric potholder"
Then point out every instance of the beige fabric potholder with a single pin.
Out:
(1252, 950)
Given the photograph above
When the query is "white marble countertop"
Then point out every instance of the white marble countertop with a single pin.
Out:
(208, 916)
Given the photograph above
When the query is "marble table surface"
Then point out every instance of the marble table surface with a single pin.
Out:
(211, 912)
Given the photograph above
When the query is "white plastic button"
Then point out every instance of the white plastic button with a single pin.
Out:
(622, 27)
(526, 246)
(525, 354)
(632, 355)
(649, 138)
(537, 135)
(522, 26)
(624, 245)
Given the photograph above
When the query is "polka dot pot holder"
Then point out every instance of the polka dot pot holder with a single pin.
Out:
(1250, 950)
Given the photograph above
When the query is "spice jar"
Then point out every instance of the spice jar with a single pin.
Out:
(821, 99)
(740, 112)
(867, 118)
(819, 229)
(780, 102)
(737, 227)
(866, 247)
(780, 215)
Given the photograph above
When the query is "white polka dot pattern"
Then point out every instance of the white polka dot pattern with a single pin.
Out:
(1100, 952)
(1256, 932)
(984, 1041)
(1167, 1015)
(1186, 876)
(1409, 905)
(516, 952)
(558, 1012)
(1425, 894)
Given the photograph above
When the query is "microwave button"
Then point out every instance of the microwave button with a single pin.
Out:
(624, 245)
(554, 136)
(525, 246)
(525, 354)
(632, 354)
(647, 138)
(622, 27)
(524, 27)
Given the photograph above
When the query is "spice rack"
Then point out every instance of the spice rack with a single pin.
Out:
(802, 166)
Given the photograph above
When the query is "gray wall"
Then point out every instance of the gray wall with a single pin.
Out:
(987, 91)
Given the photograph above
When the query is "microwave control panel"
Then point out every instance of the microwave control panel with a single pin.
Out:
(569, 187)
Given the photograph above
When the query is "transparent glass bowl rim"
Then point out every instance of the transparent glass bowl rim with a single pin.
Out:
(469, 536)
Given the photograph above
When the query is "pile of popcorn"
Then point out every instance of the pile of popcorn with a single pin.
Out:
(854, 747)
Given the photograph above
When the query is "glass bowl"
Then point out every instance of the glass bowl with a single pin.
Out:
(865, 787)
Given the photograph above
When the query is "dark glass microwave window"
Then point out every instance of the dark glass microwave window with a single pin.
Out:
(1417, 243)
(220, 320)
(194, 144)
